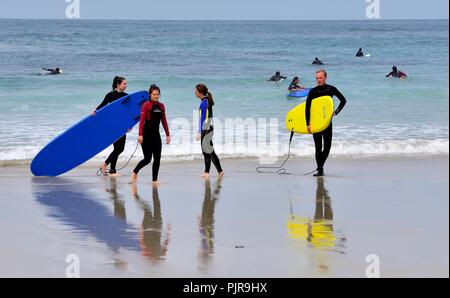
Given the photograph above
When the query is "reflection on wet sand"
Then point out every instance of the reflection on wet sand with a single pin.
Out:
(118, 203)
(153, 240)
(319, 232)
(83, 213)
(206, 222)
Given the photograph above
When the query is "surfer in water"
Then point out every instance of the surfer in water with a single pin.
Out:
(153, 113)
(55, 71)
(360, 53)
(294, 85)
(277, 77)
(317, 62)
(322, 140)
(395, 73)
(119, 86)
(206, 130)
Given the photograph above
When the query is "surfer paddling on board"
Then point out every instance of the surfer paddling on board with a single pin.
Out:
(360, 53)
(119, 86)
(55, 71)
(395, 73)
(294, 85)
(317, 62)
(277, 77)
(322, 140)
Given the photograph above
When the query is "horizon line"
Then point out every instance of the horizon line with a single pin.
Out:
(225, 20)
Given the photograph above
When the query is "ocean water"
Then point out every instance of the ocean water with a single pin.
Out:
(383, 117)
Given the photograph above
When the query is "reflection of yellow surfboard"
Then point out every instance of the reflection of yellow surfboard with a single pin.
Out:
(321, 114)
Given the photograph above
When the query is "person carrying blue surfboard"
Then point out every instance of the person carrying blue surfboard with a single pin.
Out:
(322, 89)
(153, 113)
(119, 86)
(206, 130)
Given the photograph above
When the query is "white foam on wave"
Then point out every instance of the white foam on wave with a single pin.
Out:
(301, 148)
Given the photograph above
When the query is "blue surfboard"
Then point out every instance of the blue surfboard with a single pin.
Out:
(89, 137)
(300, 93)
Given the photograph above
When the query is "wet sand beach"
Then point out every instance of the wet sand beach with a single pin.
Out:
(244, 225)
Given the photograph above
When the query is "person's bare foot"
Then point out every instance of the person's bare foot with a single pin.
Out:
(114, 175)
(221, 174)
(133, 178)
(156, 183)
(103, 167)
(205, 175)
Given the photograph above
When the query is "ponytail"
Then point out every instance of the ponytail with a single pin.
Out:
(201, 88)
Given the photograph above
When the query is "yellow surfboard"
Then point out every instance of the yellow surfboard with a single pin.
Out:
(322, 109)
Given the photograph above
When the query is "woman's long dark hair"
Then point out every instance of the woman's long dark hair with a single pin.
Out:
(201, 88)
(117, 81)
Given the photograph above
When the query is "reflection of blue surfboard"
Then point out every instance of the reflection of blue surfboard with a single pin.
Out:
(299, 93)
(78, 210)
(88, 137)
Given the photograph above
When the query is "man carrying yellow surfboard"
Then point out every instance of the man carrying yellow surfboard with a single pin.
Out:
(322, 89)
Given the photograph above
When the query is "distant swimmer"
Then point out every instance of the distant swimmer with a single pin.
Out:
(360, 53)
(294, 85)
(277, 77)
(395, 73)
(317, 62)
(55, 71)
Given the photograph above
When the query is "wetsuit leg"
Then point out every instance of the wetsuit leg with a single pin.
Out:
(208, 152)
(327, 141)
(156, 150)
(147, 150)
(322, 155)
(318, 144)
(206, 156)
(119, 147)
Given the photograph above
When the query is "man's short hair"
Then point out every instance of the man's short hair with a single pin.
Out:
(322, 71)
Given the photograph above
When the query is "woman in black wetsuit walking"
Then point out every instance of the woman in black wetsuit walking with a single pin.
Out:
(119, 86)
(153, 113)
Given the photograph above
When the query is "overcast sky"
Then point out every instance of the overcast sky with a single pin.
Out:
(225, 9)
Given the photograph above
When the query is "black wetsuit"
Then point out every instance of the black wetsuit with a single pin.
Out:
(152, 145)
(277, 78)
(360, 54)
(207, 132)
(396, 74)
(119, 145)
(317, 62)
(293, 86)
(322, 151)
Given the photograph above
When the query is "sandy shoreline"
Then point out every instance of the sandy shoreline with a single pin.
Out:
(246, 225)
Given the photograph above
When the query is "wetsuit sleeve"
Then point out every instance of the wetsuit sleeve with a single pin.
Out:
(104, 102)
(341, 98)
(142, 119)
(203, 115)
(308, 108)
(389, 74)
(164, 121)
